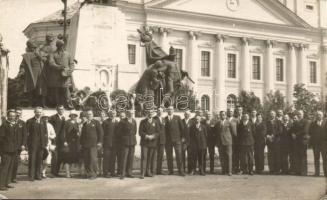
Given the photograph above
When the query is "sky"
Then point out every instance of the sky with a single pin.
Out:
(15, 16)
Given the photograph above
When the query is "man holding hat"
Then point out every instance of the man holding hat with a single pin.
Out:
(61, 67)
(32, 68)
(149, 132)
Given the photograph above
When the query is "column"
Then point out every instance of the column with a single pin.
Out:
(269, 68)
(291, 72)
(245, 66)
(220, 73)
(302, 75)
(193, 61)
(324, 70)
(4, 67)
(164, 39)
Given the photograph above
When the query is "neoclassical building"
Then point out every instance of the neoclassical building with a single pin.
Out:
(225, 45)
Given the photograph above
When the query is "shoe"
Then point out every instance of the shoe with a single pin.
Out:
(108, 176)
(182, 174)
(191, 173)
(212, 172)
(171, 173)
(130, 176)
(229, 174)
(14, 181)
(149, 175)
(142, 177)
(121, 177)
(202, 173)
(38, 178)
(240, 173)
(3, 188)
(9, 186)
(251, 173)
(92, 177)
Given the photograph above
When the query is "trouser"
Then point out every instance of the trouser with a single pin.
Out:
(317, 150)
(285, 155)
(274, 158)
(116, 157)
(198, 156)
(128, 159)
(107, 153)
(247, 158)
(90, 156)
(236, 158)
(35, 157)
(6, 168)
(178, 153)
(15, 166)
(324, 158)
(259, 157)
(211, 152)
(225, 157)
(60, 96)
(147, 159)
(56, 161)
(292, 156)
(301, 167)
(185, 157)
(160, 153)
(36, 99)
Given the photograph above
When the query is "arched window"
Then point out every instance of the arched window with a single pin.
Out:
(104, 79)
(205, 102)
(231, 101)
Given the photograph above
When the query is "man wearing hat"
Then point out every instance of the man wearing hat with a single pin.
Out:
(32, 71)
(126, 129)
(174, 137)
(60, 70)
(8, 141)
(149, 132)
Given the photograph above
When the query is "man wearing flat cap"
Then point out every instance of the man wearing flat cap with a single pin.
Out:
(32, 71)
(61, 67)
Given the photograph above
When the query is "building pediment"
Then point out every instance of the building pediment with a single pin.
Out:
(262, 11)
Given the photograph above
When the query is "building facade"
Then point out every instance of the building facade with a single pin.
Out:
(225, 45)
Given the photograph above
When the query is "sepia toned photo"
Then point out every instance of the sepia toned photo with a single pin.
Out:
(163, 99)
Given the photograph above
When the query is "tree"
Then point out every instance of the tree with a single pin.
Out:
(306, 100)
(249, 101)
(275, 101)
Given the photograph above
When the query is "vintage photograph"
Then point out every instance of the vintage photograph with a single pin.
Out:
(163, 99)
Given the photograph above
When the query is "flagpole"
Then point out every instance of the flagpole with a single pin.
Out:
(65, 19)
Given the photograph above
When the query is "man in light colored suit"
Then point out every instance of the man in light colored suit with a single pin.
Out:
(225, 132)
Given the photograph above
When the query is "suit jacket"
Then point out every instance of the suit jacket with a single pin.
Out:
(174, 129)
(186, 129)
(198, 137)
(162, 133)
(317, 133)
(37, 133)
(21, 134)
(246, 134)
(147, 128)
(8, 137)
(301, 129)
(286, 134)
(211, 135)
(224, 132)
(234, 123)
(274, 129)
(92, 134)
(58, 125)
(260, 132)
(127, 132)
(108, 127)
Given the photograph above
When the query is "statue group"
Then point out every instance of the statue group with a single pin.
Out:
(47, 73)
(162, 77)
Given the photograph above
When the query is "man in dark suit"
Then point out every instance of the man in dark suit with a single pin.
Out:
(236, 120)
(210, 123)
(259, 128)
(91, 141)
(273, 139)
(286, 144)
(198, 145)
(115, 155)
(8, 142)
(174, 135)
(37, 140)
(161, 140)
(149, 132)
(246, 140)
(317, 131)
(58, 123)
(21, 141)
(224, 132)
(301, 137)
(108, 127)
(186, 154)
(127, 128)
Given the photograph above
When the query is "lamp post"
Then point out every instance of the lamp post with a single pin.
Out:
(65, 19)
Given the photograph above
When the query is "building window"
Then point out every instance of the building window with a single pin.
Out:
(256, 67)
(179, 58)
(205, 102)
(132, 54)
(313, 72)
(279, 69)
(231, 61)
(231, 101)
(309, 7)
(205, 63)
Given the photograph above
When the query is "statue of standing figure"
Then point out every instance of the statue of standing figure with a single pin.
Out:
(4, 65)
